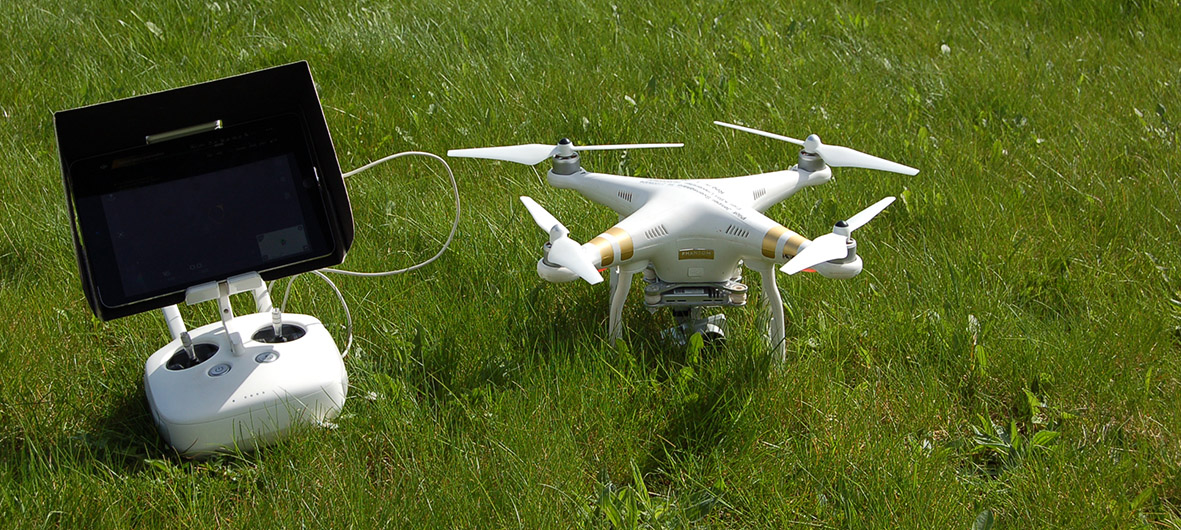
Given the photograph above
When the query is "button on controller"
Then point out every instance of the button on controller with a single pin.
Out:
(267, 357)
(220, 369)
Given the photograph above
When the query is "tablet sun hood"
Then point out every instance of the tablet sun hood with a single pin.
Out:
(179, 188)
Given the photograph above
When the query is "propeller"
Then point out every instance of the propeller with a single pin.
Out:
(532, 154)
(833, 155)
(563, 251)
(834, 245)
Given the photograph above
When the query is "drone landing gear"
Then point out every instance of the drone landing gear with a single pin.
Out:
(774, 302)
(621, 282)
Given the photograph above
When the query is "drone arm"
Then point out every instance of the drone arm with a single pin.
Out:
(624, 195)
(764, 190)
(628, 240)
(613, 274)
(770, 241)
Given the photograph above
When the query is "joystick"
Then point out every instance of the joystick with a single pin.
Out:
(277, 321)
(190, 354)
(186, 342)
(278, 332)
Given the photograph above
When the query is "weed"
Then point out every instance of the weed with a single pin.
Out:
(635, 507)
(997, 448)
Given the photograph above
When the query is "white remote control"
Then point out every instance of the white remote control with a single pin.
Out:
(226, 401)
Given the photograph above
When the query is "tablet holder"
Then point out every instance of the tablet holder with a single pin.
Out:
(196, 194)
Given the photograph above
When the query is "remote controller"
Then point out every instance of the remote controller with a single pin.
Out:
(239, 385)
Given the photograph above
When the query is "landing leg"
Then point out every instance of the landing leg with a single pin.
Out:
(622, 283)
(774, 303)
(613, 273)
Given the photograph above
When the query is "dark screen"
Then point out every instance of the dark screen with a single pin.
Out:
(185, 229)
(162, 219)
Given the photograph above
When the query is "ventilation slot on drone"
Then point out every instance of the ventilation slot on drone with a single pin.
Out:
(625, 195)
(737, 231)
(759, 193)
(658, 231)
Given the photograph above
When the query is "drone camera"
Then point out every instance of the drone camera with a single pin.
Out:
(712, 334)
(691, 321)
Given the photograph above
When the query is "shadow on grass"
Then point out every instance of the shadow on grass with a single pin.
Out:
(710, 397)
(702, 395)
(14, 268)
(706, 391)
(559, 323)
(124, 439)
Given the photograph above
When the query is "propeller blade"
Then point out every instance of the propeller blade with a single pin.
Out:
(833, 155)
(563, 251)
(837, 156)
(760, 133)
(568, 253)
(533, 154)
(862, 217)
(541, 216)
(833, 245)
(824, 248)
(622, 146)
(528, 154)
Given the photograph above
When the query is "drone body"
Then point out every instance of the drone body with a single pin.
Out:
(689, 237)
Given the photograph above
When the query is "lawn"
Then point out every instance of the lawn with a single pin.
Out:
(1011, 355)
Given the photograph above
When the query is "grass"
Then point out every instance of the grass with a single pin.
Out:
(1009, 356)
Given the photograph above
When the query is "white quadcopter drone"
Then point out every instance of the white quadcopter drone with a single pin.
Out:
(688, 237)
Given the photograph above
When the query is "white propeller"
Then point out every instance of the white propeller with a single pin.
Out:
(864, 216)
(833, 245)
(531, 154)
(563, 251)
(833, 155)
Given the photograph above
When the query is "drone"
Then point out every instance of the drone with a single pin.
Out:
(691, 238)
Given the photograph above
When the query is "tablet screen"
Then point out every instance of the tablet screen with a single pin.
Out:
(158, 219)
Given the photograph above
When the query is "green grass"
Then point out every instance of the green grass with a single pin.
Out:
(1046, 212)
